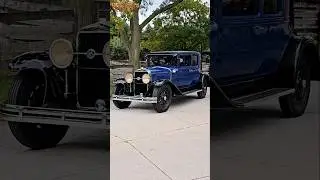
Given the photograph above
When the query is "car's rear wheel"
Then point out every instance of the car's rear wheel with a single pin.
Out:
(204, 88)
(120, 104)
(27, 91)
(294, 105)
(164, 98)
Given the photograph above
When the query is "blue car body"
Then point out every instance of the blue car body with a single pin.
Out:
(180, 70)
(256, 48)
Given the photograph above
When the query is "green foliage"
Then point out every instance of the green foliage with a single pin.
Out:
(118, 50)
(184, 27)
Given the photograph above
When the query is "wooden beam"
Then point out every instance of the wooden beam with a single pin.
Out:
(12, 18)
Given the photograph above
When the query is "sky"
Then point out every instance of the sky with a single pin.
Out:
(156, 4)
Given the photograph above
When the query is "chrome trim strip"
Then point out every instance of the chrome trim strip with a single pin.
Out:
(150, 100)
(40, 115)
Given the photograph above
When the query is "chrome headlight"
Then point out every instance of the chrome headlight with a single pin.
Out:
(106, 53)
(128, 78)
(146, 78)
(61, 53)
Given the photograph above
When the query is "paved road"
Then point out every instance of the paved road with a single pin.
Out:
(260, 145)
(146, 145)
(82, 155)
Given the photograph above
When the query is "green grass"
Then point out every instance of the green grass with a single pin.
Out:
(5, 82)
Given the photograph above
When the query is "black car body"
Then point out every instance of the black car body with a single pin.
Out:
(61, 87)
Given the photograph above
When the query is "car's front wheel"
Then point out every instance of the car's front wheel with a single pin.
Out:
(120, 104)
(27, 91)
(164, 98)
(294, 105)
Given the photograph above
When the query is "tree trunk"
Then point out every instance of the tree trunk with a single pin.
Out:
(134, 52)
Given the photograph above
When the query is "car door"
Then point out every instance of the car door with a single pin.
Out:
(183, 74)
(274, 19)
(194, 70)
(236, 48)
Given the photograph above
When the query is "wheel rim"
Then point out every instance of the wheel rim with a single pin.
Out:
(36, 96)
(204, 87)
(302, 84)
(35, 99)
(164, 97)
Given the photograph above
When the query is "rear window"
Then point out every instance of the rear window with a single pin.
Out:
(240, 7)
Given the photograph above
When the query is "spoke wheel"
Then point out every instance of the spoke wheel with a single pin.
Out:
(204, 88)
(27, 91)
(121, 104)
(164, 98)
(294, 105)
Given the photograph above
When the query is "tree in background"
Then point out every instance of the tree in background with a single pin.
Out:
(184, 27)
(126, 16)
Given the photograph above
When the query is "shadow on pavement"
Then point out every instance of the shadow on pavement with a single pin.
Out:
(176, 101)
(227, 122)
(95, 140)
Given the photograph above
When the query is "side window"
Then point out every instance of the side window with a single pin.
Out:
(186, 60)
(240, 7)
(272, 6)
(194, 60)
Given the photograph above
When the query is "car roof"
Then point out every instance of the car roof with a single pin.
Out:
(174, 52)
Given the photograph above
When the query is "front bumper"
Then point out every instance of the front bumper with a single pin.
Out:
(138, 98)
(90, 119)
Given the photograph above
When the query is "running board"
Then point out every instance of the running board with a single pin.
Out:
(88, 119)
(192, 91)
(261, 96)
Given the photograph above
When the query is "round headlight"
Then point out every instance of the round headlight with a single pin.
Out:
(146, 78)
(128, 78)
(61, 53)
(106, 53)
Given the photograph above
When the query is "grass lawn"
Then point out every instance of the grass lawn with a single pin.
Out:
(5, 83)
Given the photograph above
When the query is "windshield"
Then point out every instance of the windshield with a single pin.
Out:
(161, 60)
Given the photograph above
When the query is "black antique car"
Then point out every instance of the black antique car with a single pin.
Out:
(61, 87)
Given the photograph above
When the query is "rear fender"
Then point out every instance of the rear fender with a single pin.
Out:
(308, 51)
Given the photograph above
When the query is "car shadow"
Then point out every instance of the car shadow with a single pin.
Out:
(229, 122)
(94, 140)
(176, 101)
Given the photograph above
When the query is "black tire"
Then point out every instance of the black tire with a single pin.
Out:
(120, 104)
(294, 105)
(28, 91)
(204, 86)
(164, 98)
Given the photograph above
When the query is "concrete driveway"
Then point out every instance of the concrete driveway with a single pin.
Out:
(146, 145)
(257, 144)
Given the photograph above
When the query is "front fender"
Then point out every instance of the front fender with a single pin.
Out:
(44, 70)
(174, 88)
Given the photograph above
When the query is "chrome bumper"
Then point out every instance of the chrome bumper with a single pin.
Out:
(150, 100)
(90, 119)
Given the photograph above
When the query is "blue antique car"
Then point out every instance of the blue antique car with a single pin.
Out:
(166, 74)
(262, 49)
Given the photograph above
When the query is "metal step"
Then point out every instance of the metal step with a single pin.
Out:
(260, 96)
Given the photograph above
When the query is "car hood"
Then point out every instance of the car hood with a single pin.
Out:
(159, 72)
(159, 69)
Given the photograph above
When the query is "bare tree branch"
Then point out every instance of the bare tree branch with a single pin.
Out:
(159, 11)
